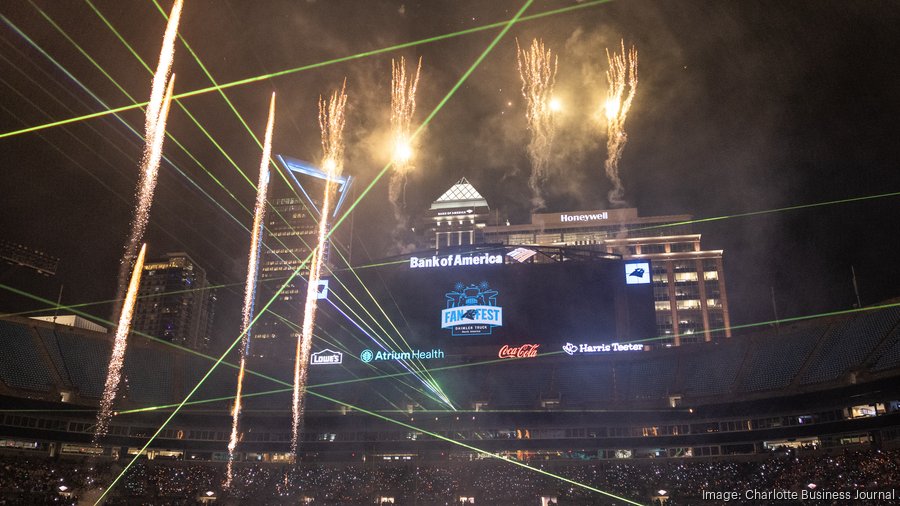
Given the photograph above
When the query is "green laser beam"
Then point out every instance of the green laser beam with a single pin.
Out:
(59, 307)
(431, 116)
(769, 211)
(204, 130)
(153, 338)
(200, 382)
(748, 325)
(311, 66)
(96, 98)
(421, 367)
(55, 306)
(328, 235)
(343, 382)
(197, 123)
(476, 449)
(107, 75)
(430, 380)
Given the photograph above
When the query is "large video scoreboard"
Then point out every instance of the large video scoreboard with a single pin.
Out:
(467, 299)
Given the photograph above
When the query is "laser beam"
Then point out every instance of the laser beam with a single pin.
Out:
(325, 63)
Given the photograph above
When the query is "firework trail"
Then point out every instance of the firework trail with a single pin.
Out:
(150, 166)
(403, 106)
(331, 122)
(114, 371)
(537, 68)
(147, 182)
(622, 75)
(250, 285)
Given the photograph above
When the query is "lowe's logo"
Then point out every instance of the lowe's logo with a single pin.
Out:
(326, 357)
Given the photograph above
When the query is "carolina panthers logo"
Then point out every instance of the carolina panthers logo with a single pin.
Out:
(471, 310)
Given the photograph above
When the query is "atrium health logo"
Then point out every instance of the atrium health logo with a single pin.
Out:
(366, 356)
(472, 310)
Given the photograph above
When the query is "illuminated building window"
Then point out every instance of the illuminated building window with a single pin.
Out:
(685, 276)
(688, 304)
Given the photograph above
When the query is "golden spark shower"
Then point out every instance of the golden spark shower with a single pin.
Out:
(403, 106)
(150, 168)
(331, 123)
(622, 80)
(259, 215)
(154, 121)
(537, 68)
(117, 359)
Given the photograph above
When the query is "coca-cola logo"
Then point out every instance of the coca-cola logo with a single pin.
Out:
(523, 351)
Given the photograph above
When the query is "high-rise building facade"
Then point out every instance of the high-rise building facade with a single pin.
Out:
(691, 303)
(289, 236)
(458, 217)
(175, 302)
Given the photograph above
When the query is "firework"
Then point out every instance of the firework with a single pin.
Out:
(622, 81)
(331, 122)
(403, 106)
(537, 68)
(250, 285)
(147, 180)
(114, 371)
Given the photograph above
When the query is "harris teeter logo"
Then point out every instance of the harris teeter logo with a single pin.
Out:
(472, 310)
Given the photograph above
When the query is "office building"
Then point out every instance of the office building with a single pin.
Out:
(289, 235)
(691, 303)
(457, 218)
(175, 302)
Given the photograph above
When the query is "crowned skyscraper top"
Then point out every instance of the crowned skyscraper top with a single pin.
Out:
(691, 304)
(457, 217)
(289, 236)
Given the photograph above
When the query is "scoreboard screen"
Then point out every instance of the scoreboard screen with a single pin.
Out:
(472, 299)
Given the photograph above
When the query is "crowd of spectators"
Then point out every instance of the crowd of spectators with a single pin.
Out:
(30, 480)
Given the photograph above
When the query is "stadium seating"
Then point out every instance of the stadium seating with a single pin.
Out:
(220, 383)
(849, 344)
(586, 384)
(149, 376)
(890, 357)
(20, 363)
(41, 358)
(712, 371)
(51, 344)
(86, 361)
(775, 360)
(512, 389)
(646, 379)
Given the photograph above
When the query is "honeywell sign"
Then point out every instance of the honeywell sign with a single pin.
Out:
(584, 217)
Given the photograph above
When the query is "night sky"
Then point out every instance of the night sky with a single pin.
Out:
(741, 106)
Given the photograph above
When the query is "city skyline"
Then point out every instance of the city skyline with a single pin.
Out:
(757, 110)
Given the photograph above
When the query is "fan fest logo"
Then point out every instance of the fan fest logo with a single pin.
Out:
(471, 310)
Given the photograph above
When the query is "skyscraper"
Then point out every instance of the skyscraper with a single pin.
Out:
(289, 236)
(175, 302)
(458, 217)
(691, 304)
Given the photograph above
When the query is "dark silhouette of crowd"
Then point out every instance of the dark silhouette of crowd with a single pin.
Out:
(32, 480)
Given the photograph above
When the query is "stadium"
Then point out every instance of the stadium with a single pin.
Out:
(632, 421)
(518, 252)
